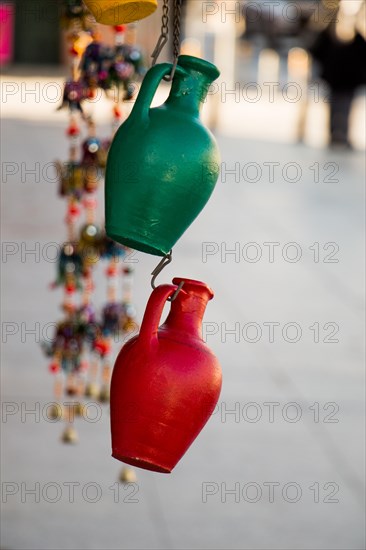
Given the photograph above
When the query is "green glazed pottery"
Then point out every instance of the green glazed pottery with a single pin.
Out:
(163, 164)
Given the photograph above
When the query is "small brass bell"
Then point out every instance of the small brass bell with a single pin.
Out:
(90, 243)
(92, 390)
(79, 409)
(70, 435)
(90, 183)
(128, 475)
(71, 391)
(129, 325)
(55, 412)
(104, 394)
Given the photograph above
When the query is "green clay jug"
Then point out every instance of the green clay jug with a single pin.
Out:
(163, 164)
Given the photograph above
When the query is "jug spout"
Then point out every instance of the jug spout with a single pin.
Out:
(187, 310)
(207, 71)
(190, 86)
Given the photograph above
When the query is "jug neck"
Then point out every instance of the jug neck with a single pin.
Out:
(188, 309)
(190, 86)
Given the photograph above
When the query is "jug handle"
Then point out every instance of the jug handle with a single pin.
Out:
(154, 309)
(149, 87)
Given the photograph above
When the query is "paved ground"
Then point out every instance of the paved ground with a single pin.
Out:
(293, 452)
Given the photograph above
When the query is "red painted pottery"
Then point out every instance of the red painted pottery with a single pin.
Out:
(166, 381)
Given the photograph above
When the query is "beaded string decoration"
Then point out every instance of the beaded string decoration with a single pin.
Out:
(82, 345)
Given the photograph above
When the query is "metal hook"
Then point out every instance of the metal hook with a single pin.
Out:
(159, 268)
(164, 36)
(169, 77)
(158, 48)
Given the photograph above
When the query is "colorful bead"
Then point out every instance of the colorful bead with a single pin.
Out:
(54, 367)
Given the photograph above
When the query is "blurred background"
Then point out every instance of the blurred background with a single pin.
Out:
(280, 464)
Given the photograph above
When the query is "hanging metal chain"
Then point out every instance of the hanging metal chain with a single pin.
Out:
(164, 36)
(163, 39)
(176, 34)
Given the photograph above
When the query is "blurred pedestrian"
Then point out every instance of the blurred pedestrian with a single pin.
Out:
(341, 52)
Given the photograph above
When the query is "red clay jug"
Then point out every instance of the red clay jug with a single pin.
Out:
(166, 381)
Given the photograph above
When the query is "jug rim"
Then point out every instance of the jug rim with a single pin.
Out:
(200, 65)
(192, 282)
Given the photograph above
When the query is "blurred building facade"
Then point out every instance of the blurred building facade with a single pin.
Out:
(36, 36)
(38, 39)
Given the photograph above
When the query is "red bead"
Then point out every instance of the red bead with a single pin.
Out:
(54, 367)
(73, 210)
(84, 365)
(111, 271)
(73, 130)
(90, 203)
(117, 112)
(120, 28)
(102, 347)
(90, 286)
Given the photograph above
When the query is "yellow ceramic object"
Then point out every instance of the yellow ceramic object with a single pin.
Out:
(70, 435)
(118, 12)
